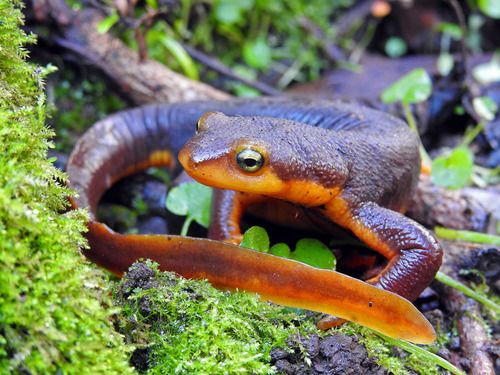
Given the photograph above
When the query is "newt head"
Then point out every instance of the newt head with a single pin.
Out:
(262, 155)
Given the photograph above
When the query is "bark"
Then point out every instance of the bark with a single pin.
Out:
(457, 209)
(473, 334)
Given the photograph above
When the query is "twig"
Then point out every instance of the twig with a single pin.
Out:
(359, 11)
(215, 64)
(141, 44)
(461, 21)
(466, 312)
(333, 52)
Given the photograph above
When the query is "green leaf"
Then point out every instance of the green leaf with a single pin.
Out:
(395, 47)
(485, 107)
(177, 200)
(445, 63)
(487, 73)
(490, 7)
(181, 56)
(280, 250)
(152, 4)
(256, 238)
(107, 23)
(230, 11)
(452, 29)
(257, 53)
(414, 87)
(314, 253)
(193, 200)
(453, 171)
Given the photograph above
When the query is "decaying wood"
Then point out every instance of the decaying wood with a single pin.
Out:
(457, 209)
(142, 81)
(473, 334)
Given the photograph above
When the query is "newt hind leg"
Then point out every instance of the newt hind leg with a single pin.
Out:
(414, 256)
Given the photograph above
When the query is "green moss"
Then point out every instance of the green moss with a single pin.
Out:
(51, 309)
(188, 327)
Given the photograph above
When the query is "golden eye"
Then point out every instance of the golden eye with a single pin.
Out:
(250, 160)
(197, 127)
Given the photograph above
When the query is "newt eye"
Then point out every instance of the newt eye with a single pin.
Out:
(250, 160)
(202, 122)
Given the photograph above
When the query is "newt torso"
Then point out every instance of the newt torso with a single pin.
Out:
(366, 157)
(378, 151)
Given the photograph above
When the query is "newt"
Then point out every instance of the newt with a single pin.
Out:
(345, 163)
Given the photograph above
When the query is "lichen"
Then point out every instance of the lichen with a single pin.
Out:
(53, 314)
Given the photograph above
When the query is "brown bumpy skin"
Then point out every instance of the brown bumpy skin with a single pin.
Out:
(352, 165)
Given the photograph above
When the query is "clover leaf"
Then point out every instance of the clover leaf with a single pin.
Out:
(257, 53)
(256, 238)
(490, 7)
(414, 87)
(454, 170)
(313, 252)
(280, 249)
(192, 200)
(307, 250)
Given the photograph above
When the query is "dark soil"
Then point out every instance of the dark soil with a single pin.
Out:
(332, 354)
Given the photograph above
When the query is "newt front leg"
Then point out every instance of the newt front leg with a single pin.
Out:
(414, 256)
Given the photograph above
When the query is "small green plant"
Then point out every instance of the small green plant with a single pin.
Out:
(192, 200)
(76, 104)
(455, 168)
(256, 238)
(258, 35)
(307, 250)
(467, 236)
(395, 47)
(490, 7)
(412, 88)
(445, 279)
(488, 72)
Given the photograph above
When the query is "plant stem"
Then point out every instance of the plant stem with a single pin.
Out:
(466, 235)
(185, 226)
(422, 353)
(447, 280)
(473, 133)
(426, 159)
